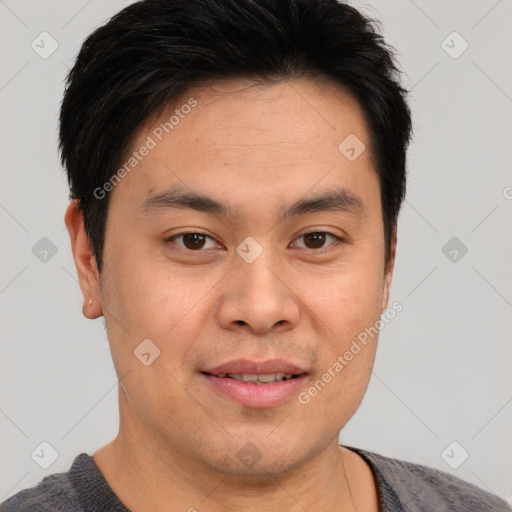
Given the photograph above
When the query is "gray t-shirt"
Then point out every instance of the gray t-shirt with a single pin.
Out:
(402, 487)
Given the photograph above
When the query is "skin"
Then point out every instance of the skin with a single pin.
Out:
(255, 149)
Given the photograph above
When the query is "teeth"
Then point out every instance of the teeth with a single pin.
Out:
(258, 378)
(271, 377)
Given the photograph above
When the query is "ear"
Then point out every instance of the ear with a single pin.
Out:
(85, 262)
(389, 269)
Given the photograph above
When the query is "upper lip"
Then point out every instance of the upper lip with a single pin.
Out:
(256, 368)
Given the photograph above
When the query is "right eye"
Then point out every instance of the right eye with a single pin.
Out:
(193, 241)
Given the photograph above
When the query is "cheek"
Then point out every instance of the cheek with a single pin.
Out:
(344, 309)
(152, 298)
(145, 301)
(346, 303)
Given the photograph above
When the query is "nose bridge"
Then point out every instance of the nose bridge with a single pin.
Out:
(262, 276)
(258, 296)
(257, 261)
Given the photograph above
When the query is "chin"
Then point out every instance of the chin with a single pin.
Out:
(258, 458)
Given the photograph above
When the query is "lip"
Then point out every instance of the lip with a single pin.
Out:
(256, 395)
(252, 367)
(253, 395)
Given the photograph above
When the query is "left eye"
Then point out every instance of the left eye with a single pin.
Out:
(317, 239)
(194, 241)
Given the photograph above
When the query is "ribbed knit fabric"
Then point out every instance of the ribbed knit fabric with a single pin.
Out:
(401, 486)
(407, 487)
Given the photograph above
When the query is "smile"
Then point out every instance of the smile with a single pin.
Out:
(256, 384)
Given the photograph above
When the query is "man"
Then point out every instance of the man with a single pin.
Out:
(236, 172)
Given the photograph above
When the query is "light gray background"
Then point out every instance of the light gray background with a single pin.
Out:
(443, 365)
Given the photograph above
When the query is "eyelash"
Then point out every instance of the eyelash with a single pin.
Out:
(337, 240)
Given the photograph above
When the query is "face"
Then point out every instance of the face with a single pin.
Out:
(243, 242)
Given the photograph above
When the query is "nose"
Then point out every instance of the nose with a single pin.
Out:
(257, 298)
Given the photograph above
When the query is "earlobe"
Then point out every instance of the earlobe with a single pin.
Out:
(91, 310)
(85, 262)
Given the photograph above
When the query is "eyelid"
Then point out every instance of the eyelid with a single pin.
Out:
(172, 237)
(338, 240)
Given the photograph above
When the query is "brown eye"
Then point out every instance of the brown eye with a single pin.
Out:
(193, 241)
(314, 240)
(318, 241)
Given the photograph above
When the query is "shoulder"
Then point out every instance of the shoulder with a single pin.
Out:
(405, 486)
(54, 493)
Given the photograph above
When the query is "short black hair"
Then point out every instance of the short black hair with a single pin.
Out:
(130, 68)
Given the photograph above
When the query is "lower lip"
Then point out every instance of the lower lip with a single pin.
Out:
(256, 395)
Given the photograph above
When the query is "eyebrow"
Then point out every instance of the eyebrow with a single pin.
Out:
(339, 199)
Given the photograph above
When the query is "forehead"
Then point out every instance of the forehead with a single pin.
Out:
(239, 137)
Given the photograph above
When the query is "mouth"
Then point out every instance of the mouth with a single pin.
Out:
(254, 378)
(253, 384)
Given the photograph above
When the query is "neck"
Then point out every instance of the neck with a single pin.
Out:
(148, 474)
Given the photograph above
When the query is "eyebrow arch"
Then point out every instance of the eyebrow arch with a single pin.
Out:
(178, 197)
(338, 199)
